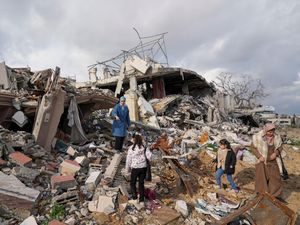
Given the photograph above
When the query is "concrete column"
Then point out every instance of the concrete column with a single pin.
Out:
(132, 103)
(185, 89)
(93, 74)
(133, 83)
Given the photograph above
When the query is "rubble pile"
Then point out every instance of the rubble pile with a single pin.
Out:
(58, 164)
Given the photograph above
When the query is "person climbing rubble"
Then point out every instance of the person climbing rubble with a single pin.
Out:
(137, 166)
(226, 160)
(121, 123)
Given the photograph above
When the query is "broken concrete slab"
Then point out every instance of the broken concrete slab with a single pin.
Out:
(20, 119)
(93, 180)
(14, 194)
(145, 107)
(48, 116)
(63, 182)
(25, 173)
(112, 168)
(20, 159)
(29, 221)
(182, 208)
(104, 204)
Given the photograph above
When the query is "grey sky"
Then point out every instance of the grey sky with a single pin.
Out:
(261, 38)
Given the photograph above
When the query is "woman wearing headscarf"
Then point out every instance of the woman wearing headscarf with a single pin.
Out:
(121, 123)
(266, 146)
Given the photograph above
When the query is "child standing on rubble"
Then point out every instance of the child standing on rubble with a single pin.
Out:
(136, 164)
(226, 161)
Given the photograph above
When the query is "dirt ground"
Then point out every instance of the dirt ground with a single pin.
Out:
(291, 187)
(245, 173)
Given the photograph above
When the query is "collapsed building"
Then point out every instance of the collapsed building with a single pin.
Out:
(42, 102)
(57, 160)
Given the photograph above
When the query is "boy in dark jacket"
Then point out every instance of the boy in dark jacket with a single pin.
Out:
(226, 161)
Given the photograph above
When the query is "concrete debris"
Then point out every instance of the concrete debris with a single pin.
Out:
(104, 204)
(57, 153)
(69, 167)
(63, 182)
(182, 208)
(20, 159)
(93, 180)
(29, 221)
(20, 119)
(14, 194)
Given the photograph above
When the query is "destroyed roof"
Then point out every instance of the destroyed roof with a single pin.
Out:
(168, 73)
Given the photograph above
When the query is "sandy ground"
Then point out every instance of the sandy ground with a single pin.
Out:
(291, 187)
(245, 173)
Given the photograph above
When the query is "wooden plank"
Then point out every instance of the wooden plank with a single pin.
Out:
(185, 178)
(240, 211)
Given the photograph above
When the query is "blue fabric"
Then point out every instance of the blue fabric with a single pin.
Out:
(120, 127)
(219, 174)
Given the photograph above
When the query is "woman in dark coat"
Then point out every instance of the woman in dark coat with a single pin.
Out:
(226, 161)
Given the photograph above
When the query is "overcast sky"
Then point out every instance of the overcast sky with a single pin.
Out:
(261, 38)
